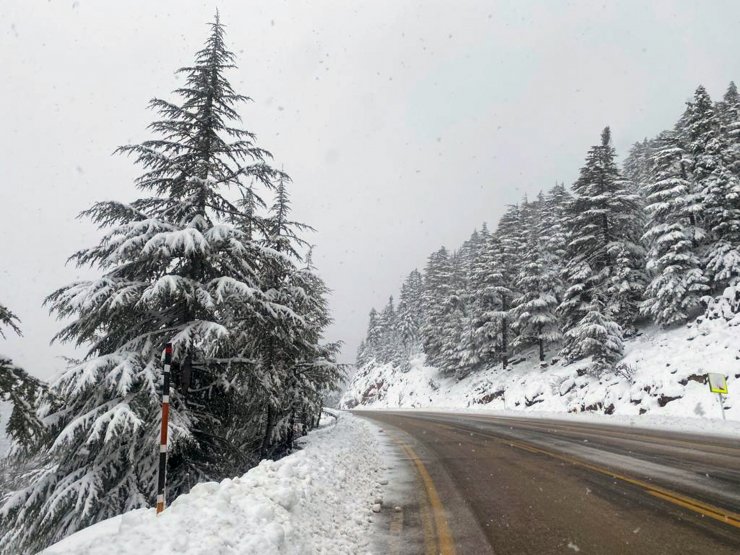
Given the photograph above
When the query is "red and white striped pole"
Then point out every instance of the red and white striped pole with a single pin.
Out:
(162, 478)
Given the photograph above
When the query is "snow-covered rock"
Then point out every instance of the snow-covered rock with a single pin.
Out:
(663, 373)
(316, 500)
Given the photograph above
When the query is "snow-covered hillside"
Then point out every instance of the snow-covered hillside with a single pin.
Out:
(663, 373)
(317, 500)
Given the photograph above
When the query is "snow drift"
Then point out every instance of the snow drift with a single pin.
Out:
(663, 372)
(316, 500)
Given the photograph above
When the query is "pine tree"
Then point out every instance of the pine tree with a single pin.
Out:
(390, 350)
(553, 237)
(717, 187)
(296, 366)
(374, 336)
(485, 283)
(456, 356)
(604, 273)
(505, 258)
(24, 392)
(184, 265)
(436, 295)
(7, 318)
(637, 165)
(410, 316)
(678, 282)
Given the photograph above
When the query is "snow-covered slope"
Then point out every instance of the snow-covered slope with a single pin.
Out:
(317, 500)
(665, 373)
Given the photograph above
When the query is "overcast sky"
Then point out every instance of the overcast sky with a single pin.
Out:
(403, 124)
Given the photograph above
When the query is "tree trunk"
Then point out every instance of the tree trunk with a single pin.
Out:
(541, 343)
(542, 349)
(270, 426)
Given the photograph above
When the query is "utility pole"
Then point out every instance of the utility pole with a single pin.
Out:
(162, 478)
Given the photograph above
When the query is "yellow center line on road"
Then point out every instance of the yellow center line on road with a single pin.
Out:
(705, 509)
(443, 536)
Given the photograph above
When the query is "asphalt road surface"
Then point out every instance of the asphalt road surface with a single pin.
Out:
(502, 485)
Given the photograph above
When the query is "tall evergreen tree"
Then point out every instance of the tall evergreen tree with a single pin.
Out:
(637, 165)
(553, 237)
(678, 282)
(436, 295)
(410, 315)
(184, 265)
(534, 307)
(23, 391)
(717, 186)
(505, 258)
(604, 272)
(486, 283)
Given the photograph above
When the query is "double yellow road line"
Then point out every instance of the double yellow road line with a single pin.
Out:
(700, 507)
(437, 538)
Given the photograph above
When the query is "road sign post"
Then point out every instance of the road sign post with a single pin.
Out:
(162, 478)
(718, 385)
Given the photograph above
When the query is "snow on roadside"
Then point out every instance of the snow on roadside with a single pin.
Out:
(666, 388)
(316, 500)
(689, 425)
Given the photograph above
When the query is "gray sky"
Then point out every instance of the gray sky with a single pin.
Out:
(403, 124)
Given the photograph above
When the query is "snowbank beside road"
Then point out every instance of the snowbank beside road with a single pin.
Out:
(663, 377)
(316, 500)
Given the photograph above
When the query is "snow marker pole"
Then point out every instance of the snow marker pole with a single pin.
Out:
(722, 405)
(162, 478)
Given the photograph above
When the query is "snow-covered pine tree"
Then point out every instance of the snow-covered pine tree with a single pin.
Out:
(373, 339)
(437, 292)
(391, 349)
(678, 282)
(177, 266)
(362, 358)
(454, 328)
(293, 369)
(486, 281)
(505, 258)
(553, 237)
(729, 117)
(23, 391)
(7, 318)
(605, 268)
(717, 186)
(636, 166)
(410, 316)
(535, 305)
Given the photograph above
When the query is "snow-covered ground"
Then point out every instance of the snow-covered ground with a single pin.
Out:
(316, 500)
(668, 380)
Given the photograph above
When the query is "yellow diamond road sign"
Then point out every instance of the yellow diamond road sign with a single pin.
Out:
(717, 383)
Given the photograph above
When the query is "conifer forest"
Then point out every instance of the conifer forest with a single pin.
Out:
(577, 270)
